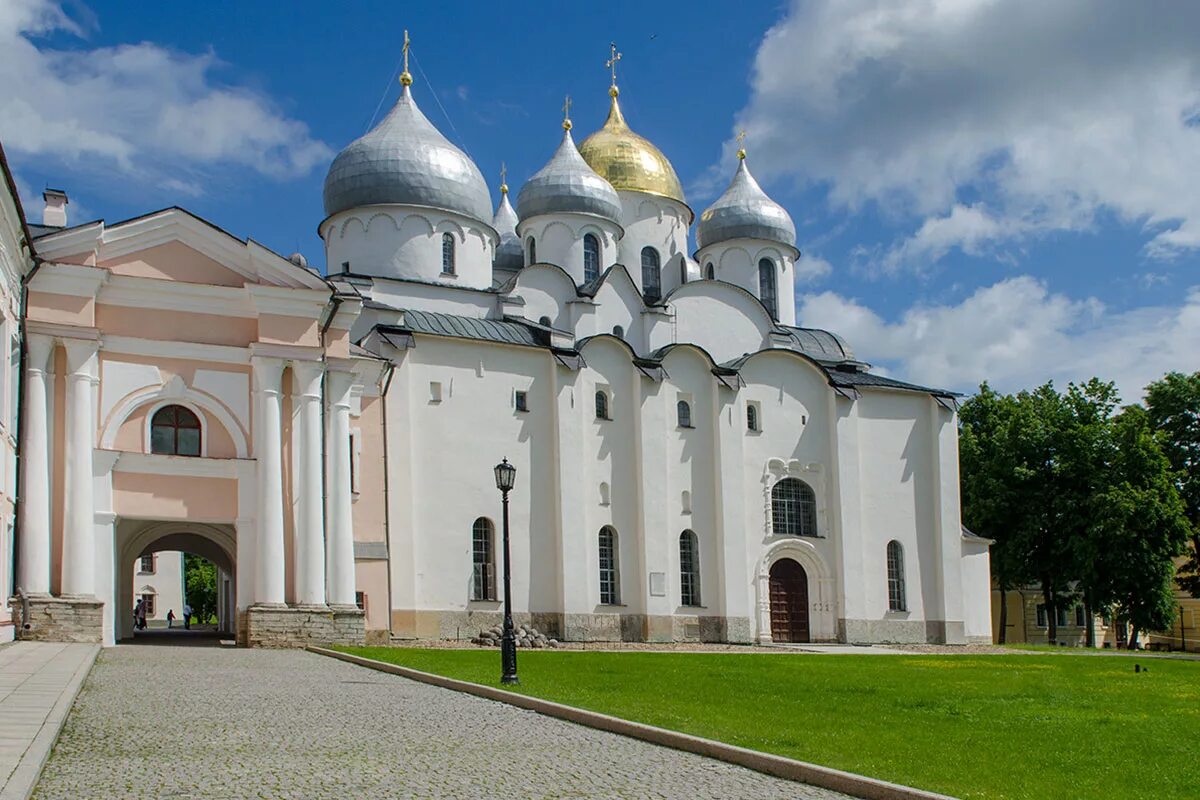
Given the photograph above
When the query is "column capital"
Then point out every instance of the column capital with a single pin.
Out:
(308, 376)
(38, 349)
(268, 372)
(338, 387)
(81, 355)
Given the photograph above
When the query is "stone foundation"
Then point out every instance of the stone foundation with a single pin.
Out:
(615, 627)
(59, 619)
(900, 631)
(262, 626)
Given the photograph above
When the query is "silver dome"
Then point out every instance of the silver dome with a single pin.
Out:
(745, 212)
(407, 161)
(510, 254)
(568, 185)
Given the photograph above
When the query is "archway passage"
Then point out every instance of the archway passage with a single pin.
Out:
(789, 602)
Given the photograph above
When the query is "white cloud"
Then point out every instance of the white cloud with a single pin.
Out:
(1016, 334)
(153, 114)
(1054, 111)
(812, 269)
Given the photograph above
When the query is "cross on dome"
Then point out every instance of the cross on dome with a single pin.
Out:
(566, 109)
(406, 76)
(613, 58)
(741, 139)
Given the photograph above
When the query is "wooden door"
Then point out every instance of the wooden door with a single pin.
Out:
(789, 602)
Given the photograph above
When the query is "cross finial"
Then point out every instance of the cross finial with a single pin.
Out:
(613, 58)
(741, 139)
(566, 109)
(503, 178)
(406, 76)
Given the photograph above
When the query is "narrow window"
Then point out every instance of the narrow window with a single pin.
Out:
(793, 508)
(545, 321)
(1061, 613)
(683, 412)
(147, 565)
(604, 493)
(522, 401)
(618, 332)
(531, 245)
(447, 254)
(1079, 619)
(610, 579)
(1042, 618)
(360, 600)
(895, 577)
(483, 579)
(435, 392)
(148, 604)
(591, 258)
(752, 418)
(766, 287)
(355, 465)
(651, 275)
(175, 431)
(602, 405)
(345, 266)
(709, 272)
(689, 569)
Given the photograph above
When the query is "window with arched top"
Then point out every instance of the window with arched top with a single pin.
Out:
(709, 272)
(766, 287)
(618, 332)
(689, 569)
(591, 257)
(531, 248)
(610, 573)
(483, 560)
(175, 431)
(604, 493)
(651, 275)
(544, 321)
(602, 404)
(752, 418)
(448, 254)
(793, 508)
(685, 501)
(683, 413)
(895, 577)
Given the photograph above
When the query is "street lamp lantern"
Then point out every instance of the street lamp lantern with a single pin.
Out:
(506, 477)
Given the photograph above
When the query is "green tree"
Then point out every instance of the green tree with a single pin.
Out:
(1174, 407)
(1141, 527)
(200, 586)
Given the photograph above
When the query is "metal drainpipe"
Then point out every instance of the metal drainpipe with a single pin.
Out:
(387, 517)
(23, 356)
(331, 311)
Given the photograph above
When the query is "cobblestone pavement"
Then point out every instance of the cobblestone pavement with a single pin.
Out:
(214, 723)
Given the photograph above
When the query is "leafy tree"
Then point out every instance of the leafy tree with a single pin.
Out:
(1174, 407)
(200, 586)
(1140, 527)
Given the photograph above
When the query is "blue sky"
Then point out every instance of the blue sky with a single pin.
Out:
(989, 189)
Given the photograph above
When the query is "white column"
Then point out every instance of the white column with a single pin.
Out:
(339, 530)
(310, 524)
(79, 527)
(34, 574)
(268, 590)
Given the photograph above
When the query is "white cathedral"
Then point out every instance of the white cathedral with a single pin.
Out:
(691, 464)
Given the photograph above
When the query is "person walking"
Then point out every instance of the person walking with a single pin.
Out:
(142, 615)
(137, 613)
(170, 617)
(187, 617)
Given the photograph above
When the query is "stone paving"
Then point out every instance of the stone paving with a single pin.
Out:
(216, 723)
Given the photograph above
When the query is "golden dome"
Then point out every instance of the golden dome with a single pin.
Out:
(628, 161)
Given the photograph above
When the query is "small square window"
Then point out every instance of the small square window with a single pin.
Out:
(360, 600)
(345, 266)
(435, 392)
(521, 401)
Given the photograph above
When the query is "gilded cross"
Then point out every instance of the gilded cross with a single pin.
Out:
(566, 109)
(406, 76)
(613, 58)
(741, 138)
(503, 178)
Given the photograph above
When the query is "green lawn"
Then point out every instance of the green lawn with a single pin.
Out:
(1020, 726)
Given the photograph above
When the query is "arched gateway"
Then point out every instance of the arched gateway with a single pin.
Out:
(789, 602)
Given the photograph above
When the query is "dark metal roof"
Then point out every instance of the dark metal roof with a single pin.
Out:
(486, 330)
(819, 343)
(859, 379)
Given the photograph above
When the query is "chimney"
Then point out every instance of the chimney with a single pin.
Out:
(55, 214)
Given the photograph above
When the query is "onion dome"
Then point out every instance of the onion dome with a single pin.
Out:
(568, 185)
(509, 253)
(405, 160)
(628, 161)
(745, 212)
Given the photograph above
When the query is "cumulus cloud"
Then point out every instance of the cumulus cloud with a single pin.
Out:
(812, 269)
(1054, 111)
(1016, 334)
(142, 109)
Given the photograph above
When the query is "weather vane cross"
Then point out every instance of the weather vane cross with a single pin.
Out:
(566, 109)
(406, 76)
(503, 178)
(741, 140)
(613, 58)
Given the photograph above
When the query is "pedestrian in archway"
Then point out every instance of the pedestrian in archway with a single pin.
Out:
(141, 615)
(137, 613)
(170, 617)
(187, 617)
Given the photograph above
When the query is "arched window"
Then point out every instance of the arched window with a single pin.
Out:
(793, 508)
(448, 254)
(531, 247)
(610, 574)
(651, 275)
(591, 258)
(683, 412)
(709, 272)
(175, 431)
(752, 417)
(618, 332)
(766, 287)
(689, 569)
(604, 493)
(895, 573)
(601, 404)
(544, 321)
(483, 566)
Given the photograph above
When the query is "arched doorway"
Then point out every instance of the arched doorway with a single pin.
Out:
(789, 602)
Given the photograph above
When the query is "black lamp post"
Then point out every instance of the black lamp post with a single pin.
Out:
(506, 476)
